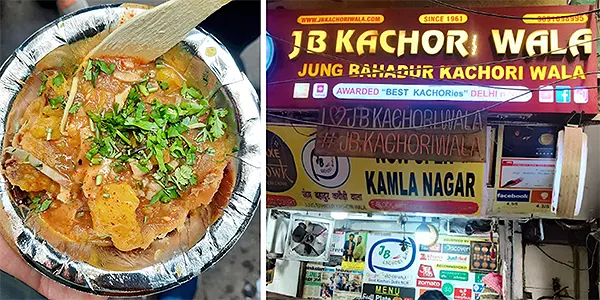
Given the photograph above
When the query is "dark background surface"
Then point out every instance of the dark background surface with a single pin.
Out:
(235, 25)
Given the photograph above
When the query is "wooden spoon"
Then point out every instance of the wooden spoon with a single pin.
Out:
(153, 32)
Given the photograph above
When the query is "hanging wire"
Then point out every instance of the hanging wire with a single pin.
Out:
(553, 259)
(407, 72)
(300, 133)
(436, 123)
(488, 14)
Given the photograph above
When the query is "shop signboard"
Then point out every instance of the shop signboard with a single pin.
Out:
(437, 55)
(441, 133)
(299, 178)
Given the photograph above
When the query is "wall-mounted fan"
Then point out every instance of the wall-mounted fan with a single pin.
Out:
(309, 238)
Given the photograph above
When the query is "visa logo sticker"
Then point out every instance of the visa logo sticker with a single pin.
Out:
(512, 196)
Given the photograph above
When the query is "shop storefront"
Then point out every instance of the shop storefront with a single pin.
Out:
(403, 145)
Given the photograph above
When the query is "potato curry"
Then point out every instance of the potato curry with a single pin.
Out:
(118, 153)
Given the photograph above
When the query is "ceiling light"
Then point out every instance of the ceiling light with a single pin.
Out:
(339, 215)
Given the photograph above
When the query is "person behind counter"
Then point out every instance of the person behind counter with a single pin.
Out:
(433, 295)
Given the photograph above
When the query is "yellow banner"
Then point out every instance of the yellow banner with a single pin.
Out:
(298, 178)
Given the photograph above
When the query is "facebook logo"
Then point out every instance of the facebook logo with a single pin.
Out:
(563, 94)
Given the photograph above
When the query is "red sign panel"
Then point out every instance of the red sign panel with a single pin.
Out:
(426, 271)
(462, 294)
(431, 284)
(433, 55)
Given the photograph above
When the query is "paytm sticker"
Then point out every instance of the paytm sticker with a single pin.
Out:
(563, 94)
(512, 196)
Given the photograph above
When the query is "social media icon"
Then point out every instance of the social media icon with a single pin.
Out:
(301, 90)
(546, 94)
(319, 90)
(563, 94)
(580, 95)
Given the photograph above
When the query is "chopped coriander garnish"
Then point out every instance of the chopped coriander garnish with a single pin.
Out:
(99, 179)
(26, 160)
(210, 151)
(204, 136)
(106, 68)
(38, 166)
(43, 86)
(75, 107)
(189, 92)
(184, 176)
(58, 80)
(135, 132)
(56, 102)
(93, 68)
(36, 200)
(163, 85)
(142, 124)
(165, 195)
(44, 206)
(217, 126)
(143, 168)
(80, 214)
(234, 150)
(143, 89)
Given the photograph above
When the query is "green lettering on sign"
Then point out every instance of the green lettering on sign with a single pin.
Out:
(447, 289)
(479, 277)
(454, 275)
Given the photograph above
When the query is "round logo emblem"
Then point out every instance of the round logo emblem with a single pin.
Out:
(447, 289)
(281, 168)
(392, 255)
(270, 49)
(327, 171)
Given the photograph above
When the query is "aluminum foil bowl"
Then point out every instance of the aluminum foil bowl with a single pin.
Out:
(182, 255)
